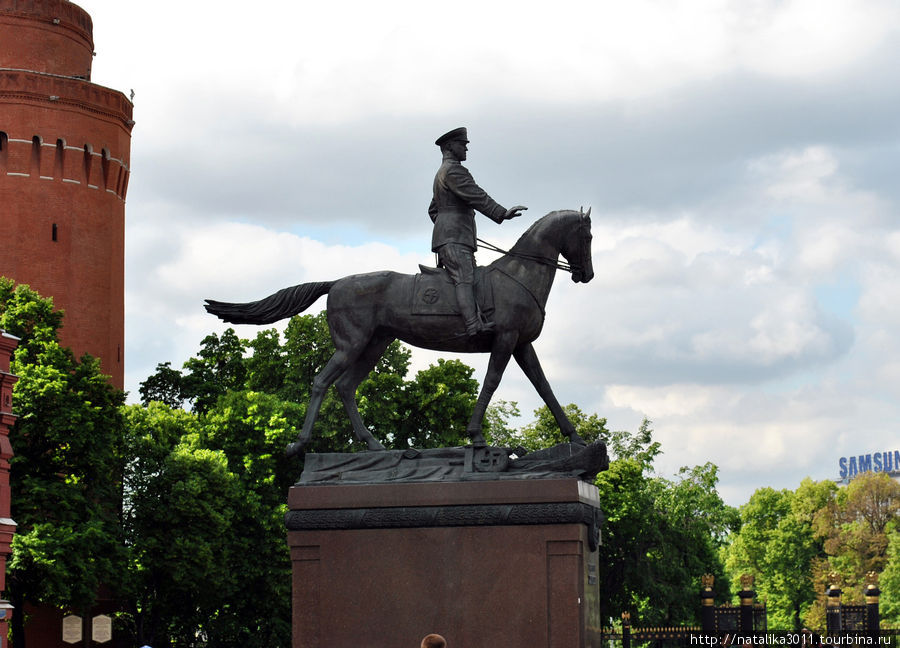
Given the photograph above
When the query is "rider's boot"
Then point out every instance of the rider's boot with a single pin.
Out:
(465, 296)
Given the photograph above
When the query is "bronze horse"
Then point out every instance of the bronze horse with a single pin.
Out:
(366, 312)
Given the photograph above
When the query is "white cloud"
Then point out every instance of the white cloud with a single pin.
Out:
(806, 39)
(334, 62)
(226, 261)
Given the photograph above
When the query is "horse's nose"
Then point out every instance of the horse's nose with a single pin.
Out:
(583, 275)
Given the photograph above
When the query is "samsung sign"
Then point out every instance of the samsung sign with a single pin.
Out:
(888, 462)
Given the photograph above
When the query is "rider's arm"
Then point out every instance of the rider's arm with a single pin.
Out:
(461, 183)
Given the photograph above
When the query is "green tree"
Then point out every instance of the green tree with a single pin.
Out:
(204, 520)
(179, 509)
(855, 528)
(777, 544)
(855, 524)
(66, 475)
(436, 406)
(431, 410)
(890, 582)
(165, 386)
(251, 430)
(543, 432)
(660, 535)
(217, 368)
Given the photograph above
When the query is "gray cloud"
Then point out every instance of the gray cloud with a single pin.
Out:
(671, 151)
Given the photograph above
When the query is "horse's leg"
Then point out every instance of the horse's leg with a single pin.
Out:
(336, 365)
(501, 351)
(528, 360)
(348, 382)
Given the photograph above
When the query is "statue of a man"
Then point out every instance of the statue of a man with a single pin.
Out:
(452, 210)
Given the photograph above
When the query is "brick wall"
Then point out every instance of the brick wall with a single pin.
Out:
(64, 169)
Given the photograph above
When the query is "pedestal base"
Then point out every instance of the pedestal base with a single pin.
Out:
(483, 564)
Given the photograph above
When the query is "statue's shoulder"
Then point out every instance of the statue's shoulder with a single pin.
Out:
(455, 168)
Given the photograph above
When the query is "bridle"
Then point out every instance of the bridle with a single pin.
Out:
(554, 263)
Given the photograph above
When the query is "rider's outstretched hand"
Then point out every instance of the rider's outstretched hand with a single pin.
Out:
(512, 212)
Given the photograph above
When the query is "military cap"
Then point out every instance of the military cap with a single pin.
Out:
(456, 134)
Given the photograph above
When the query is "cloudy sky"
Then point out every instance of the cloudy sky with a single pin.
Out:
(740, 157)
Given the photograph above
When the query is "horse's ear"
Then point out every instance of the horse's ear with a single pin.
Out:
(587, 216)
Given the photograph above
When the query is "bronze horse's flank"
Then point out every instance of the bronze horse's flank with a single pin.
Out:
(366, 312)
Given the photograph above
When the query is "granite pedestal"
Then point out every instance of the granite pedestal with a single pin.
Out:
(485, 564)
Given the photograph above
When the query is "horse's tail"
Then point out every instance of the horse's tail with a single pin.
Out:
(285, 303)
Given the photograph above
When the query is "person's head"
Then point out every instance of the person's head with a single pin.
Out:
(455, 142)
(434, 641)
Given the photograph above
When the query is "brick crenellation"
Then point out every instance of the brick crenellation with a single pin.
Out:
(58, 160)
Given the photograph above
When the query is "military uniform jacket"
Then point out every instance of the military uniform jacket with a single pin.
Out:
(452, 209)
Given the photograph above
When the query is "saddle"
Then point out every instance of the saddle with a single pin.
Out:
(435, 294)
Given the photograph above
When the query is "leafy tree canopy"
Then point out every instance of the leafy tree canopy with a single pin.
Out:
(66, 474)
(661, 535)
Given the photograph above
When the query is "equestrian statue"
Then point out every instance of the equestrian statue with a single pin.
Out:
(496, 309)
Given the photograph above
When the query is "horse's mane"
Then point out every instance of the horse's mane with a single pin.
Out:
(543, 221)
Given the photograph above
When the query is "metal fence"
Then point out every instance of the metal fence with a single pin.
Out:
(727, 626)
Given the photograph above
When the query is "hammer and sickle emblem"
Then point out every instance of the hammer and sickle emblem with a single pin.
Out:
(430, 296)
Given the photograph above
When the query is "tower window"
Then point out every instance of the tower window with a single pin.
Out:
(58, 162)
(4, 150)
(35, 156)
(104, 167)
(55, 233)
(88, 154)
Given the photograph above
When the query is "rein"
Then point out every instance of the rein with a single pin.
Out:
(556, 263)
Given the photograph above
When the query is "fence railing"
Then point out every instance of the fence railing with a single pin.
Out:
(723, 626)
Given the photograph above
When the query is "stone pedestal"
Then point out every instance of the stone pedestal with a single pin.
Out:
(490, 563)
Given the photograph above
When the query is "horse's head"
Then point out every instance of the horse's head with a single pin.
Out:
(576, 247)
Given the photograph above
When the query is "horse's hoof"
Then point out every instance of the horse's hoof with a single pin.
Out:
(375, 446)
(294, 448)
(478, 440)
(576, 439)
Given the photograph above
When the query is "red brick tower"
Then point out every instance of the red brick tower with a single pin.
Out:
(65, 147)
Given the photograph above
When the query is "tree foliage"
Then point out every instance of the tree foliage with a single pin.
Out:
(855, 527)
(431, 410)
(800, 542)
(777, 544)
(179, 508)
(660, 535)
(890, 582)
(66, 475)
(542, 432)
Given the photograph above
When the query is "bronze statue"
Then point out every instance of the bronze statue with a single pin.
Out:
(366, 312)
(452, 210)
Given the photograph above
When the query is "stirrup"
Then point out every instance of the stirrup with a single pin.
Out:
(476, 325)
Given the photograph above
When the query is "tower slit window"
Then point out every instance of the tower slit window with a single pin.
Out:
(55, 233)
(120, 181)
(35, 169)
(59, 162)
(104, 167)
(4, 151)
(88, 154)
